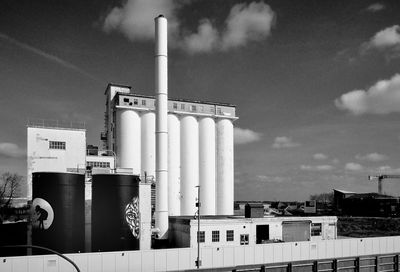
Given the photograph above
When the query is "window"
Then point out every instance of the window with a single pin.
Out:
(229, 235)
(193, 108)
(126, 100)
(316, 229)
(143, 102)
(175, 106)
(135, 101)
(96, 164)
(57, 145)
(244, 239)
(182, 106)
(215, 236)
(201, 237)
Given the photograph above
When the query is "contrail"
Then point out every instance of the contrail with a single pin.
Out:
(47, 56)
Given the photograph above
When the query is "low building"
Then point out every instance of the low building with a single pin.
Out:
(235, 230)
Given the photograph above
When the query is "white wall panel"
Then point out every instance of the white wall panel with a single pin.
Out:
(239, 255)
(225, 182)
(330, 248)
(122, 262)
(305, 251)
(286, 251)
(278, 256)
(296, 251)
(229, 256)
(375, 245)
(321, 248)
(174, 165)
(268, 253)
(94, 262)
(338, 249)
(217, 257)
(148, 261)
(129, 140)
(249, 255)
(135, 261)
(189, 164)
(108, 261)
(184, 258)
(172, 260)
(258, 254)
(207, 173)
(160, 257)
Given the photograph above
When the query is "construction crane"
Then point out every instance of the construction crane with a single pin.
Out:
(380, 179)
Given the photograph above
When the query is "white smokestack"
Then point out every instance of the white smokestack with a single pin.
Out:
(161, 88)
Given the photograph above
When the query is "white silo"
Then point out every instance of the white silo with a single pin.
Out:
(189, 164)
(128, 140)
(174, 165)
(224, 167)
(207, 165)
(148, 131)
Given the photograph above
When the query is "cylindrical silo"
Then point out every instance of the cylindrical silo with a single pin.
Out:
(189, 164)
(58, 212)
(225, 181)
(207, 165)
(174, 165)
(128, 140)
(115, 212)
(148, 139)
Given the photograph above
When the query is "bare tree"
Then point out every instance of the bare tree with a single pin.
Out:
(9, 187)
(323, 197)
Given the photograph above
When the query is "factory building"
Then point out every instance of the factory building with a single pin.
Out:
(200, 147)
(219, 231)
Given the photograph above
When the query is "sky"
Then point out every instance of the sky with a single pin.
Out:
(316, 83)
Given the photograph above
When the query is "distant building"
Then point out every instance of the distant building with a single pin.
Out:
(365, 204)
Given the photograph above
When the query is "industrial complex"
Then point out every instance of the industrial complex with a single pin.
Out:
(160, 190)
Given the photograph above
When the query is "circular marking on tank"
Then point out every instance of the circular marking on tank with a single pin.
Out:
(42, 214)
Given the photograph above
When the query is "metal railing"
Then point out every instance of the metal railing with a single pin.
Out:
(48, 123)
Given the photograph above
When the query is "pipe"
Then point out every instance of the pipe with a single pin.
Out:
(161, 90)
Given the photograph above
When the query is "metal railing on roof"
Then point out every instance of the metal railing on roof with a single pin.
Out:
(49, 123)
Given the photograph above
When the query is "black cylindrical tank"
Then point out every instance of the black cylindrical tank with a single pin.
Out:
(58, 211)
(115, 215)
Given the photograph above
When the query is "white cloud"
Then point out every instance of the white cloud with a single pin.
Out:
(386, 38)
(284, 142)
(375, 7)
(352, 166)
(271, 179)
(11, 150)
(320, 156)
(247, 23)
(373, 157)
(323, 167)
(244, 136)
(252, 22)
(381, 98)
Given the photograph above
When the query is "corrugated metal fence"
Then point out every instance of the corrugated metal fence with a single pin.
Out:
(345, 251)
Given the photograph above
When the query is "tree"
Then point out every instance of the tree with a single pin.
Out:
(323, 197)
(9, 187)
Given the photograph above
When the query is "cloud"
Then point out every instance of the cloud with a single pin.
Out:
(271, 179)
(320, 156)
(373, 157)
(11, 150)
(244, 136)
(381, 98)
(284, 142)
(245, 23)
(352, 166)
(323, 167)
(375, 7)
(385, 38)
(47, 56)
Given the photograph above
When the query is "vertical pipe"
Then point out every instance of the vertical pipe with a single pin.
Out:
(148, 158)
(161, 90)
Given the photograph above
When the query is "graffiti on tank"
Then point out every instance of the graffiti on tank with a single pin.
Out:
(132, 217)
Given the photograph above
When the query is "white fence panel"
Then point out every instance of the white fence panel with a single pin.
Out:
(184, 258)
(229, 256)
(321, 249)
(239, 255)
(135, 261)
(121, 262)
(313, 248)
(249, 255)
(259, 254)
(396, 242)
(338, 248)
(35, 263)
(147, 261)
(375, 246)
(268, 253)
(286, 251)
(277, 248)
(296, 254)
(330, 248)
(160, 260)
(172, 260)
(305, 250)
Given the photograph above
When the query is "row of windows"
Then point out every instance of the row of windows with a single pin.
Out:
(201, 236)
(97, 164)
(56, 145)
(193, 108)
(135, 101)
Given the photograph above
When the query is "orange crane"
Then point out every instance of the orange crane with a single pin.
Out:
(380, 179)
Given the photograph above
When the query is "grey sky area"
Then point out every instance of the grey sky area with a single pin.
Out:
(316, 83)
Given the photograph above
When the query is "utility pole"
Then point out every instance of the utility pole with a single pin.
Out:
(198, 204)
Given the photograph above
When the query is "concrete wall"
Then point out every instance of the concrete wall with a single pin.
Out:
(184, 258)
(41, 158)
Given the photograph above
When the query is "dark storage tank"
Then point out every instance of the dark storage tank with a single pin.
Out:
(58, 211)
(115, 214)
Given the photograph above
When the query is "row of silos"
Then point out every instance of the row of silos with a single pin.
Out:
(200, 152)
(114, 224)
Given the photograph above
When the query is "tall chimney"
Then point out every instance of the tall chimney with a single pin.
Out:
(161, 89)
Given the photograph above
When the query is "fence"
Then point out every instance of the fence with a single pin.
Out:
(219, 257)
